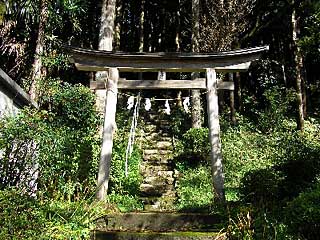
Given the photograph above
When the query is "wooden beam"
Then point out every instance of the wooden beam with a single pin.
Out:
(153, 84)
(92, 67)
(199, 83)
(214, 135)
(107, 135)
(92, 60)
(21, 98)
(226, 86)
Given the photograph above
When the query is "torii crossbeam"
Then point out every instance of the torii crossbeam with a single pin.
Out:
(211, 63)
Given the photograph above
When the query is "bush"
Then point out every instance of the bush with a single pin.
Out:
(52, 148)
(303, 214)
(125, 202)
(194, 148)
(23, 217)
(19, 216)
(261, 186)
(194, 189)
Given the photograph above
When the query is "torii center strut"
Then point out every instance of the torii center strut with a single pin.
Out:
(211, 63)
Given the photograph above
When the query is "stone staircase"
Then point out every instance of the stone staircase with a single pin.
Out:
(157, 190)
(159, 226)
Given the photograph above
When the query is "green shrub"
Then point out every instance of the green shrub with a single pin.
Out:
(244, 150)
(193, 149)
(56, 142)
(23, 217)
(291, 157)
(179, 122)
(303, 213)
(261, 186)
(196, 142)
(125, 202)
(278, 101)
(70, 220)
(194, 189)
(19, 216)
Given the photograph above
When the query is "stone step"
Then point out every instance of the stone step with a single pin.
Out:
(161, 204)
(156, 138)
(100, 235)
(159, 175)
(158, 122)
(156, 160)
(154, 200)
(156, 152)
(154, 141)
(156, 170)
(147, 168)
(155, 135)
(160, 222)
(150, 128)
(158, 144)
(158, 180)
(164, 145)
(154, 190)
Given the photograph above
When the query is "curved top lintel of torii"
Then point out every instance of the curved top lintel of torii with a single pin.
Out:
(227, 61)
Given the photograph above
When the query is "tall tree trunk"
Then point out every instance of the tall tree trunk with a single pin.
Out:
(38, 69)
(237, 90)
(178, 28)
(117, 30)
(108, 15)
(232, 103)
(298, 67)
(196, 98)
(304, 92)
(105, 43)
(141, 33)
(177, 42)
(141, 40)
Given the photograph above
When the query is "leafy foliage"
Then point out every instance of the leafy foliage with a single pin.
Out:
(125, 189)
(55, 144)
(303, 213)
(194, 189)
(34, 219)
(194, 186)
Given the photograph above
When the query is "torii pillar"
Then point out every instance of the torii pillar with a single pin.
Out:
(214, 135)
(107, 134)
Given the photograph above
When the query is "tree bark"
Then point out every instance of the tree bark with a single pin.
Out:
(238, 94)
(117, 31)
(141, 33)
(232, 104)
(298, 67)
(304, 91)
(141, 40)
(105, 43)
(38, 69)
(196, 98)
(178, 28)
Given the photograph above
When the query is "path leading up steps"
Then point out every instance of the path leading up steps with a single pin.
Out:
(158, 194)
(158, 187)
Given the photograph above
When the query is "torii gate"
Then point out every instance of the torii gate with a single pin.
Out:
(211, 63)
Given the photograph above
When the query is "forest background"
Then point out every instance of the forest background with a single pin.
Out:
(270, 123)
